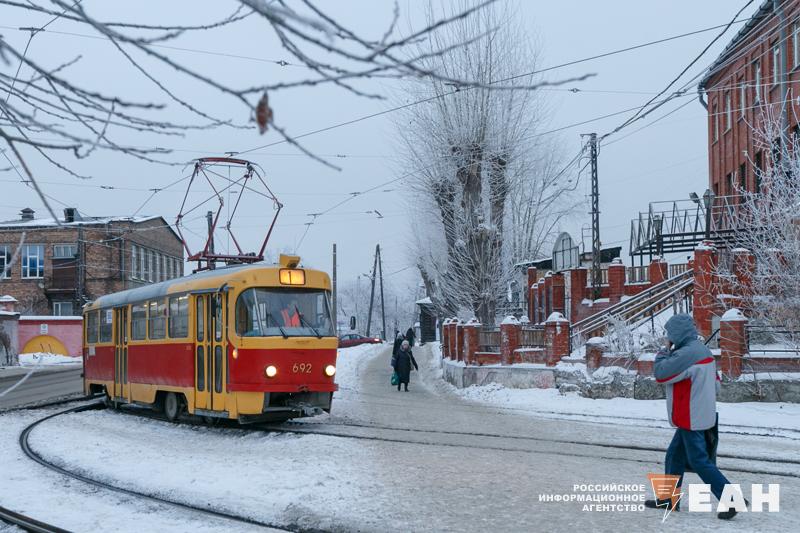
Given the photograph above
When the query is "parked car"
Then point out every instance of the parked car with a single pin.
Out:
(354, 339)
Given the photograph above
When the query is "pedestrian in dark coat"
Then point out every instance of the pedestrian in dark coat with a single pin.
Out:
(688, 370)
(403, 363)
(398, 340)
(410, 336)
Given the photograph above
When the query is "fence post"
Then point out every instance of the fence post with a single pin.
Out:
(657, 270)
(732, 342)
(471, 340)
(616, 280)
(594, 352)
(704, 301)
(453, 339)
(558, 293)
(510, 330)
(556, 338)
(532, 278)
(459, 333)
(577, 291)
(446, 338)
(548, 294)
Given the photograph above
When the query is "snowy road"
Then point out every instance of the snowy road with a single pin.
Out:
(431, 460)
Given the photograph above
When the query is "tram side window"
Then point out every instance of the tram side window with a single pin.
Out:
(106, 325)
(158, 319)
(91, 327)
(139, 322)
(199, 314)
(178, 316)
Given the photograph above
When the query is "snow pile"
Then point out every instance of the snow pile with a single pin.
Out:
(47, 359)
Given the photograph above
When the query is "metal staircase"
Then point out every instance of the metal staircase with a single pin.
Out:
(637, 309)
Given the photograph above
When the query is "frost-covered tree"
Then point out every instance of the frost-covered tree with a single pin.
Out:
(768, 225)
(485, 190)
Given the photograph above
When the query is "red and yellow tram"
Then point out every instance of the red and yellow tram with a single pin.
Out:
(247, 342)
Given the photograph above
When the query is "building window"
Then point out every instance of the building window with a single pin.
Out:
(142, 264)
(65, 251)
(164, 275)
(5, 259)
(157, 263)
(757, 80)
(33, 261)
(715, 132)
(728, 111)
(134, 263)
(742, 97)
(796, 44)
(150, 265)
(759, 164)
(776, 65)
(742, 178)
(63, 309)
(729, 184)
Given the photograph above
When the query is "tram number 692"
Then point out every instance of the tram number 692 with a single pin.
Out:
(301, 368)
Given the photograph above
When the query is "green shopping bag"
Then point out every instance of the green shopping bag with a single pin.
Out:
(395, 378)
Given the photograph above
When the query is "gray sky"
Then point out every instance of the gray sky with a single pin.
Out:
(665, 161)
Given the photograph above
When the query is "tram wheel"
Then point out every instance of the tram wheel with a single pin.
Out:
(172, 406)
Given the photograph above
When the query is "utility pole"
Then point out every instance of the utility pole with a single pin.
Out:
(597, 280)
(372, 289)
(333, 295)
(210, 220)
(383, 308)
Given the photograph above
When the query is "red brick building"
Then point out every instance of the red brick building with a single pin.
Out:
(756, 73)
(58, 268)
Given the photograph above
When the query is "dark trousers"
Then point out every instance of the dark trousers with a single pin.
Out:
(688, 449)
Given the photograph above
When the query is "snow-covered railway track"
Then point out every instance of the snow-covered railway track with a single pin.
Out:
(32, 454)
(527, 444)
(27, 523)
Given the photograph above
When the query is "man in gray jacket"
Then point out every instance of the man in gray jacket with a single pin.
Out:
(688, 370)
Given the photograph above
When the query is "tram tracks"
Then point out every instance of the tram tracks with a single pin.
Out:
(488, 441)
(216, 513)
(392, 432)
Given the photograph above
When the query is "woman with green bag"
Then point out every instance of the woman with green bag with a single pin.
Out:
(402, 364)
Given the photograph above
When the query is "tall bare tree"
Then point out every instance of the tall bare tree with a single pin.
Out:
(486, 192)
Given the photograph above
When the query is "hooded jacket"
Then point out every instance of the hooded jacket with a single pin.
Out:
(690, 374)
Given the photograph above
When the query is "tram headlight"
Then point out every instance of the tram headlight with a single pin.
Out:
(271, 371)
(330, 370)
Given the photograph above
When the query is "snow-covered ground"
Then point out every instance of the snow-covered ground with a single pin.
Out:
(47, 359)
(304, 480)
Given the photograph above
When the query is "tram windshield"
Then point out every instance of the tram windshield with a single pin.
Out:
(266, 312)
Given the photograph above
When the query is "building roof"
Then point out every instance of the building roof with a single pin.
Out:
(85, 221)
(764, 11)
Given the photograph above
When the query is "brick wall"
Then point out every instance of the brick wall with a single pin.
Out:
(107, 249)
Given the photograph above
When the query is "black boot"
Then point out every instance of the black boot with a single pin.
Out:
(398, 387)
(661, 504)
(406, 387)
(730, 513)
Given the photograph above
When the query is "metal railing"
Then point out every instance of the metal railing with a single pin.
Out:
(677, 269)
(638, 274)
(489, 340)
(531, 337)
(761, 336)
(603, 277)
(638, 308)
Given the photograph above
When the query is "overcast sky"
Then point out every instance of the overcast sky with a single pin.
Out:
(662, 162)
